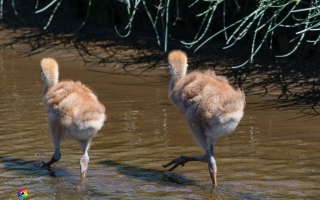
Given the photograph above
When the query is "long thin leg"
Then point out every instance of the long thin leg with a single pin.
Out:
(55, 157)
(182, 160)
(55, 131)
(84, 160)
(212, 165)
(208, 158)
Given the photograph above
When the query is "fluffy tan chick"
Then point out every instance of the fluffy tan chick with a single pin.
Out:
(211, 106)
(73, 111)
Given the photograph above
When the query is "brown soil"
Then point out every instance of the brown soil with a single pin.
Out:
(288, 82)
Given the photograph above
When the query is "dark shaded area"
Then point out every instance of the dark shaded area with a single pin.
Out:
(293, 81)
(24, 167)
(150, 175)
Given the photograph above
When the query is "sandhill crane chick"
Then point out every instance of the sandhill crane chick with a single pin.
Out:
(73, 111)
(211, 106)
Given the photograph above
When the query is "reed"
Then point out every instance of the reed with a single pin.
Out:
(265, 19)
(260, 21)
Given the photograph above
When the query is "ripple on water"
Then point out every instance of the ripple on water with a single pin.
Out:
(272, 154)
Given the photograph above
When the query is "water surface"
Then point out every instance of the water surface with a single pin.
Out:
(273, 154)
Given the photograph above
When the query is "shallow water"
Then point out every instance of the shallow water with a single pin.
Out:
(273, 154)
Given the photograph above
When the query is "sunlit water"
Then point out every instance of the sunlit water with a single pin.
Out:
(273, 154)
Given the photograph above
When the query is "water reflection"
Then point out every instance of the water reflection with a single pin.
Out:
(1, 60)
(130, 118)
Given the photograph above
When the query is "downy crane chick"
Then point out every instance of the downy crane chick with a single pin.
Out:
(73, 111)
(211, 106)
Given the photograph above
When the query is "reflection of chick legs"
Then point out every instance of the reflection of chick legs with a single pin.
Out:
(211, 106)
(73, 111)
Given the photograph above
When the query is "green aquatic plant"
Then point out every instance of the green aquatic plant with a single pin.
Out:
(267, 16)
(54, 11)
(1, 8)
(259, 21)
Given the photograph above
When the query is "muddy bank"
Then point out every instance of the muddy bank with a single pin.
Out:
(288, 82)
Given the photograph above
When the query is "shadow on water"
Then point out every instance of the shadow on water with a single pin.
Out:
(56, 185)
(25, 167)
(160, 177)
(294, 82)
